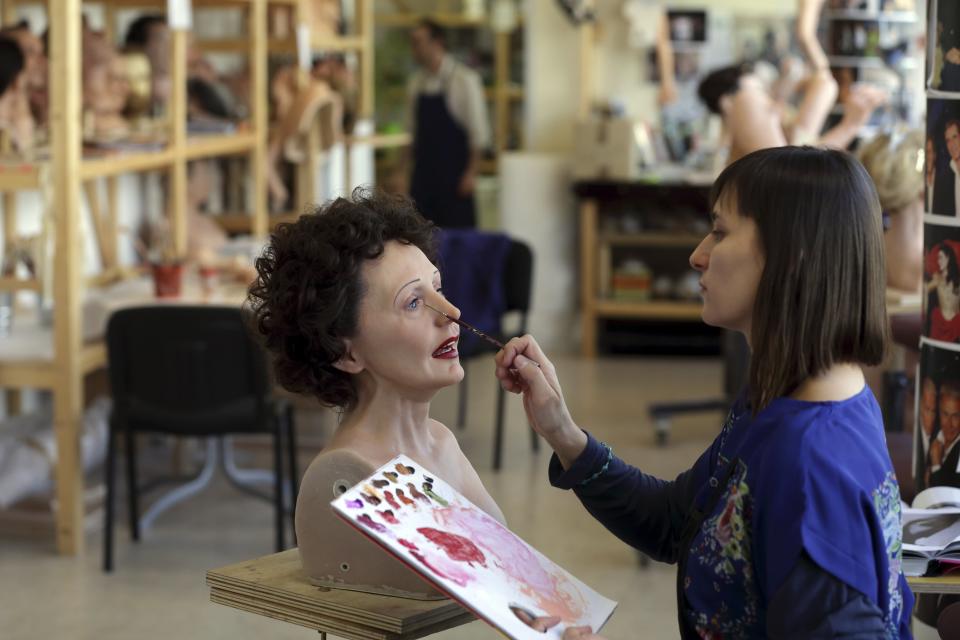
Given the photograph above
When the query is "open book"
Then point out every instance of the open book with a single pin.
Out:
(467, 554)
(931, 532)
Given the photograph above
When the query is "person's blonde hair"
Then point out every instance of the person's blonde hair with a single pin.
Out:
(895, 163)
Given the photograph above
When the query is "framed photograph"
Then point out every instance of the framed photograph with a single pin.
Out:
(937, 430)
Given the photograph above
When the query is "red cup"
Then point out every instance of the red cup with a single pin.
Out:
(167, 279)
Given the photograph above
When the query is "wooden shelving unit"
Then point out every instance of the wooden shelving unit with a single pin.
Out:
(56, 358)
(597, 247)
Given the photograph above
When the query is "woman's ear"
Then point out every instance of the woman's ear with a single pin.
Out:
(350, 361)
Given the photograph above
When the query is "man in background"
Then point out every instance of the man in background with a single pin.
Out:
(450, 127)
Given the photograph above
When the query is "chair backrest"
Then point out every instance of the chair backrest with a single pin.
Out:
(518, 276)
(186, 369)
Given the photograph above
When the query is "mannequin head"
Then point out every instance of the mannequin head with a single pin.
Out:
(35, 66)
(15, 117)
(339, 300)
(105, 85)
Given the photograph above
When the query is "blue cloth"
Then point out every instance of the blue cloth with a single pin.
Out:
(801, 481)
(472, 266)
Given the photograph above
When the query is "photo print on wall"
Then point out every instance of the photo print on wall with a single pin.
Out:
(941, 283)
(937, 431)
(942, 157)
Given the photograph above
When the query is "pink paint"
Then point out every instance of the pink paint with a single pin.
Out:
(408, 544)
(444, 569)
(554, 595)
(388, 516)
(373, 501)
(393, 503)
(457, 547)
(368, 522)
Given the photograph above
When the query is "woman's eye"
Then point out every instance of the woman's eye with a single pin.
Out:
(717, 233)
(413, 304)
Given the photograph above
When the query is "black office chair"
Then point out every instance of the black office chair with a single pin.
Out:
(518, 289)
(194, 372)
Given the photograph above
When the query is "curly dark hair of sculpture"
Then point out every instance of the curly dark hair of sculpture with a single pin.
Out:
(306, 297)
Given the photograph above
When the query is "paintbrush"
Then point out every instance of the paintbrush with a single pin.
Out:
(471, 328)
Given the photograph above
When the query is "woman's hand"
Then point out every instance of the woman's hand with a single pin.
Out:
(518, 372)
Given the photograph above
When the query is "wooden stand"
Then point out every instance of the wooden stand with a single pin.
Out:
(275, 586)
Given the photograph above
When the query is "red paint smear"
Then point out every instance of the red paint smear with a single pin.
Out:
(388, 516)
(460, 580)
(367, 521)
(390, 500)
(457, 547)
(408, 544)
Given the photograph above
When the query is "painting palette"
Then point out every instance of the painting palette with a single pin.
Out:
(467, 554)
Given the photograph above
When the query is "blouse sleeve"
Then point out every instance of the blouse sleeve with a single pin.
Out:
(645, 512)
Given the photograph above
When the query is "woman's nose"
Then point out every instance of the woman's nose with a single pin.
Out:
(700, 257)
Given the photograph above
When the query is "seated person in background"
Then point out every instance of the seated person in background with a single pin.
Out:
(340, 301)
(15, 118)
(755, 120)
(893, 162)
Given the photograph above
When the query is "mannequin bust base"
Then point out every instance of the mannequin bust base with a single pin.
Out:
(332, 553)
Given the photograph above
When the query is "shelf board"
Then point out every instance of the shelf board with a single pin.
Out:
(652, 310)
(651, 239)
(382, 140)
(934, 584)
(243, 222)
(344, 43)
(125, 162)
(241, 45)
(15, 176)
(209, 146)
(869, 16)
(450, 20)
(869, 62)
(18, 284)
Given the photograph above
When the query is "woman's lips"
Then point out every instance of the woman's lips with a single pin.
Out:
(447, 349)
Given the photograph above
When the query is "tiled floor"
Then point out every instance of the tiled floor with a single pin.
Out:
(158, 590)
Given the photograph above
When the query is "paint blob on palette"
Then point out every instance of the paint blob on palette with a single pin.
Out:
(419, 518)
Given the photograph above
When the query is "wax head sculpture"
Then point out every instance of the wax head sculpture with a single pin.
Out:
(341, 301)
(35, 68)
(15, 118)
(105, 86)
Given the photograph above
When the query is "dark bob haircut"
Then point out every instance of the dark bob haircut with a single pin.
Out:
(721, 82)
(821, 299)
(306, 298)
(434, 30)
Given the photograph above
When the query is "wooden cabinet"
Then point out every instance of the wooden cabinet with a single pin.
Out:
(658, 223)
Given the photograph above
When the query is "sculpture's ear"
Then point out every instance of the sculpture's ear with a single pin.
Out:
(350, 361)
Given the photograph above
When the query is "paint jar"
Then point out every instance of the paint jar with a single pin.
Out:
(167, 279)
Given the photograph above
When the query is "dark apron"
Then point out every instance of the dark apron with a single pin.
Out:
(441, 152)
